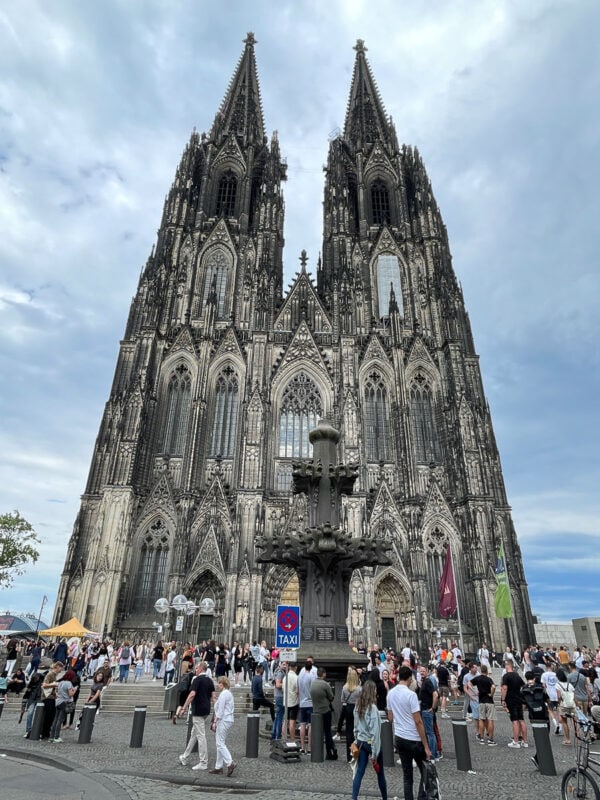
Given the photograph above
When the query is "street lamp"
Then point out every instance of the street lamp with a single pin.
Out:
(180, 604)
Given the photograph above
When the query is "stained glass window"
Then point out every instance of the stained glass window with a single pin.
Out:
(301, 408)
(377, 419)
(226, 413)
(152, 570)
(422, 419)
(179, 395)
(217, 267)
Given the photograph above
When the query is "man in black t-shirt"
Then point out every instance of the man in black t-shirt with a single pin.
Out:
(202, 694)
(487, 712)
(428, 697)
(443, 676)
(512, 702)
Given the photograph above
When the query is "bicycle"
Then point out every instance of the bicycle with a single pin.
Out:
(578, 782)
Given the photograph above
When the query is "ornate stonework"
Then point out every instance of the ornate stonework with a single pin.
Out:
(221, 375)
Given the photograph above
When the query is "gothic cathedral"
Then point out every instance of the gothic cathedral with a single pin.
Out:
(220, 377)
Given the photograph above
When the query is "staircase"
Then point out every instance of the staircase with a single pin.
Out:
(122, 698)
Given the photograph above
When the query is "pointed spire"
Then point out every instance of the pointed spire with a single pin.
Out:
(366, 120)
(241, 110)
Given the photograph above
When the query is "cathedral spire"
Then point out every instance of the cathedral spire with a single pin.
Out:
(241, 110)
(366, 120)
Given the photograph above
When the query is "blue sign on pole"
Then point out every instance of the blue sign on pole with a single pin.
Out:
(288, 626)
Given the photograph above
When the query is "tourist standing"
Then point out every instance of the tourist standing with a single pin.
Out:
(200, 697)
(410, 740)
(223, 720)
(64, 693)
(321, 695)
(305, 677)
(367, 733)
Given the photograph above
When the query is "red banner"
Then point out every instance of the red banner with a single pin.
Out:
(447, 590)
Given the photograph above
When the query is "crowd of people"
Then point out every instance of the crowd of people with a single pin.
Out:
(553, 684)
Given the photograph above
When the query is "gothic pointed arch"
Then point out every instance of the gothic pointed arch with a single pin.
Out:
(217, 268)
(177, 403)
(152, 551)
(225, 412)
(376, 406)
(300, 408)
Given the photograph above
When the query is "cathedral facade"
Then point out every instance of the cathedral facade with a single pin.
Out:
(220, 377)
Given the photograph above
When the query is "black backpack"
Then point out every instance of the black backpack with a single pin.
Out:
(534, 699)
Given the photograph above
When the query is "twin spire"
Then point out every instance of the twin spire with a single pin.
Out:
(366, 120)
(241, 109)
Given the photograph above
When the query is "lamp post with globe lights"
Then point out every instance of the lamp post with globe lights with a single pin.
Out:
(183, 607)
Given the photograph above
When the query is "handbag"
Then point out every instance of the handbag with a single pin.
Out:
(567, 699)
(431, 782)
(354, 750)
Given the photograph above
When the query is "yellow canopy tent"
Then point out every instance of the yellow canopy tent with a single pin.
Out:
(71, 628)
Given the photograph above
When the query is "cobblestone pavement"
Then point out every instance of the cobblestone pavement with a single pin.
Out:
(147, 772)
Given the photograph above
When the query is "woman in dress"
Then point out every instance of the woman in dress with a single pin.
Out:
(367, 732)
(223, 720)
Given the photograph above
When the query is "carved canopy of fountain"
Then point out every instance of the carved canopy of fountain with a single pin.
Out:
(323, 555)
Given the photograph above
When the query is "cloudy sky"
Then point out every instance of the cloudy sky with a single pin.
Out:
(97, 101)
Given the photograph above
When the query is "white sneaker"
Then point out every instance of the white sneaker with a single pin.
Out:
(514, 744)
(200, 766)
(336, 738)
(524, 744)
(183, 760)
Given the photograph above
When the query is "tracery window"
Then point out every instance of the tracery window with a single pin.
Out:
(423, 424)
(226, 414)
(388, 277)
(226, 194)
(179, 395)
(377, 419)
(301, 408)
(380, 203)
(217, 267)
(152, 570)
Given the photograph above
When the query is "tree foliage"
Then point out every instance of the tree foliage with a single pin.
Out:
(17, 546)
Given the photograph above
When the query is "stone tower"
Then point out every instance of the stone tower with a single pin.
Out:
(220, 378)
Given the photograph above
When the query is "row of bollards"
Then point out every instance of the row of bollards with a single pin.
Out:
(544, 756)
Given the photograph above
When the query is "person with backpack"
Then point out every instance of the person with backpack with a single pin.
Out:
(124, 661)
(567, 707)
(535, 698)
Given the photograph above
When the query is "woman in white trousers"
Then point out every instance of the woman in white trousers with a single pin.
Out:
(223, 720)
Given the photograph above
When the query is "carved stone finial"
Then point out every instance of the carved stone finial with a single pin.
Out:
(360, 46)
(303, 260)
(249, 41)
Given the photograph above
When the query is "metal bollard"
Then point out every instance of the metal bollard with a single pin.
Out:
(137, 729)
(252, 726)
(387, 741)
(316, 753)
(461, 745)
(2, 701)
(38, 722)
(544, 757)
(86, 725)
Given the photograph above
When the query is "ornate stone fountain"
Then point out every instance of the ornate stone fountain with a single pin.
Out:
(324, 555)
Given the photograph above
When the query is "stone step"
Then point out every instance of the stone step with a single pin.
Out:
(121, 698)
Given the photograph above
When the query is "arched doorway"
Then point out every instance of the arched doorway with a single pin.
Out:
(206, 626)
(394, 613)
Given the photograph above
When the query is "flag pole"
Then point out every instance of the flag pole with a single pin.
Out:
(37, 626)
(460, 633)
